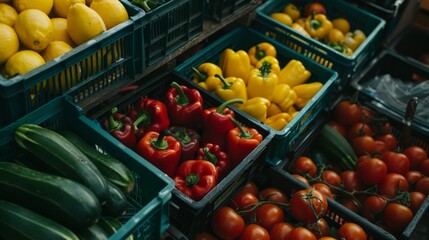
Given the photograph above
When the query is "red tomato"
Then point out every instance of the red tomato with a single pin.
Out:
(350, 204)
(321, 229)
(327, 238)
(392, 183)
(205, 236)
(416, 155)
(274, 195)
(347, 113)
(254, 232)
(301, 178)
(323, 189)
(307, 205)
(301, 233)
(363, 145)
(304, 165)
(337, 126)
(397, 217)
(416, 200)
(390, 141)
(412, 178)
(250, 187)
(424, 167)
(351, 231)
(396, 162)
(371, 207)
(269, 214)
(380, 148)
(423, 185)
(371, 171)
(331, 177)
(357, 130)
(243, 201)
(226, 223)
(280, 231)
(351, 181)
(314, 8)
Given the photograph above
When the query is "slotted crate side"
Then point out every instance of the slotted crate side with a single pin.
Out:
(147, 215)
(219, 9)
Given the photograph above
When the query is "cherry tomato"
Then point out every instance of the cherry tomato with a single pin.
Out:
(301, 233)
(363, 145)
(424, 167)
(357, 130)
(397, 217)
(390, 141)
(304, 165)
(351, 181)
(347, 113)
(350, 204)
(227, 223)
(254, 232)
(423, 185)
(269, 214)
(416, 155)
(320, 229)
(416, 200)
(274, 195)
(337, 126)
(371, 171)
(307, 205)
(205, 236)
(243, 201)
(250, 187)
(280, 231)
(392, 183)
(396, 162)
(351, 231)
(332, 178)
(323, 189)
(412, 178)
(372, 206)
(301, 178)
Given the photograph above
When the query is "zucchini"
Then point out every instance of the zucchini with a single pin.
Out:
(116, 204)
(54, 150)
(111, 226)
(63, 200)
(94, 232)
(336, 147)
(111, 168)
(17, 222)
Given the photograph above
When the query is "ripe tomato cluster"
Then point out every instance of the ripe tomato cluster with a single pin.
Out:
(271, 213)
(387, 185)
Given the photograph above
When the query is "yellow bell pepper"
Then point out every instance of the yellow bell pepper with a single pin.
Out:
(235, 64)
(284, 97)
(340, 47)
(354, 39)
(231, 88)
(204, 75)
(292, 10)
(260, 51)
(256, 107)
(318, 26)
(275, 65)
(273, 109)
(278, 121)
(294, 73)
(305, 92)
(299, 28)
(262, 82)
(292, 111)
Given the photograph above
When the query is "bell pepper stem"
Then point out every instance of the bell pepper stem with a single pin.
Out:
(314, 23)
(243, 133)
(113, 124)
(227, 103)
(209, 156)
(265, 69)
(144, 118)
(181, 97)
(192, 179)
(159, 143)
(182, 135)
(226, 85)
(259, 54)
(202, 77)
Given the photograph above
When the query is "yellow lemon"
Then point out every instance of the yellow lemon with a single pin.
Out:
(341, 24)
(55, 49)
(43, 5)
(60, 31)
(34, 29)
(282, 18)
(111, 11)
(8, 14)
(22, 62)
(9, 42)
(83, 23)
(61, 7)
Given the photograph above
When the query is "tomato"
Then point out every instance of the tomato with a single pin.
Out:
(320, 229)
(323, 189)
(304, 165)
(243, 201)
(416, 200)
(423, 185)
(416, 155)
(337, 126)
(205, 236)
(280, 231)
(380, 148)
(274, 195)
(371, 171)
(363, 145)
(332, 178)
(357, 130)
(351, 231)
(412, 178)
(313, 8)
(351, 181)
(227, 223)
(392, 183)
(350, 204)
(396, 162)
(301, 233)
(368, 115)
(347, 113)
(307, 205)
(397, 217)
(254, 232)
(269, 214)
(250, 187)
(327, 238)
(373, 205)
(424, 167)
(390, 141)
(301, 178)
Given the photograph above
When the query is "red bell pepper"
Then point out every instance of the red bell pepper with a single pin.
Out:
(121, 127)
(217, 123)
(195, 178)
(214, 154)
(149, 115)
(184, 105)
(160, 150)
(189, 139)
(241, 141)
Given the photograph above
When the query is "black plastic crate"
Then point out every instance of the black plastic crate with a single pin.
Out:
(219, 9)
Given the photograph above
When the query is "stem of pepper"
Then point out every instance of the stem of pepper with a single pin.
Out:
(226, 85)
(265, 69)
(144, 117)
(192, 179)
(243, 133)
(209, 156)
(259, 54)
(182, 135)
(159, 143)
(201, 76)
(226, 103)
(113, 124)
(181, 97)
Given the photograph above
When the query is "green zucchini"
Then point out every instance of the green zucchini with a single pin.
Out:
(116, 204)
(111, 226)
(111, 168)
(17, 222)
(57, 152)
(63, 200)
(336, 147)
(94, 232)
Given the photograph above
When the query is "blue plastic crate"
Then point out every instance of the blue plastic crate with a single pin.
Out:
(147, 215)
(245, 38)
(346, 66)
(107, 59)
(219, 9)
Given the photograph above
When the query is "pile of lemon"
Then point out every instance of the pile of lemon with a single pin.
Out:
(34, 32)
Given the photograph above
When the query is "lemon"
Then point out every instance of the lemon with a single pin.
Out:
(22, 62)
(55, 49)
(8, 14)
(83, 23)
(43, 5)
(341, 24)
(61, 7)
(111, 11)
(34, 29)
(60, 31)
(9, 42)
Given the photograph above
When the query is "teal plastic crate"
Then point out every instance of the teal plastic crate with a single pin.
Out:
(346, 66)
(219, 9)
(147, 216)
(107, 59)
(245, 38)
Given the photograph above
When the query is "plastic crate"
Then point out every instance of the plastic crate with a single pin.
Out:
(219, 9)
(245, 38)
(147, 215)
(186, 214)
(346, 66)
(168, 27)
(398, 68)
(107, 59)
